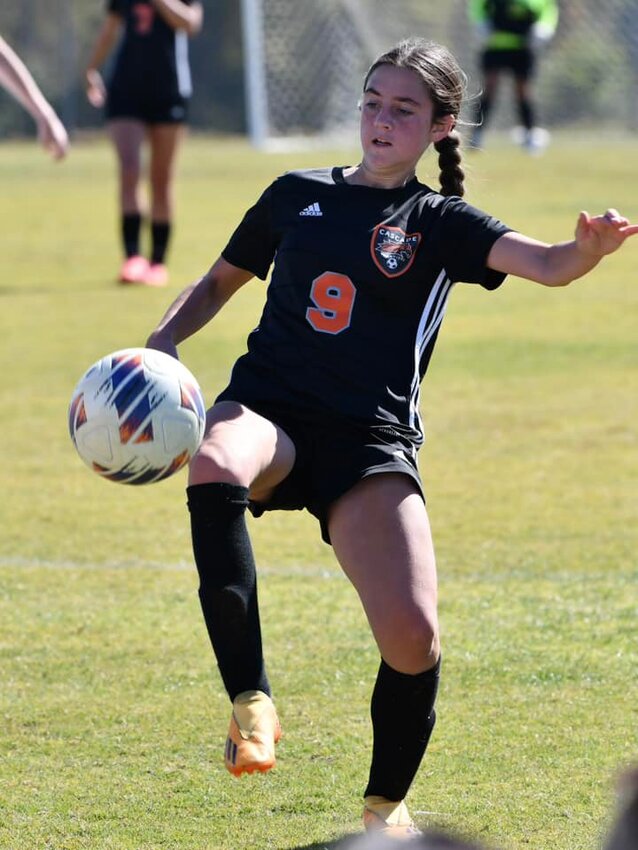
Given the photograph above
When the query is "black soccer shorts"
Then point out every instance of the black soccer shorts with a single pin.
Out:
(330, 459)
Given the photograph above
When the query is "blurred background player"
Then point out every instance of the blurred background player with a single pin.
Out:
(16, 78)
(624, 831)
(146, 99)
(513, 31)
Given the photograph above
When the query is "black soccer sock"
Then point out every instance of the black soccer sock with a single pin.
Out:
(160, 234)
(403, 717)
(526, 113)
(131, 225)
(228, 584)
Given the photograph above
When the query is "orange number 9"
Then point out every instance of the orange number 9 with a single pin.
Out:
(333, 296)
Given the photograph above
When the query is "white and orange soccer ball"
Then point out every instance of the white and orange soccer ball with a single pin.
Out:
(137, 416)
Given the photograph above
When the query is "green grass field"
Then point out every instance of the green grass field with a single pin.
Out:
(113, 716)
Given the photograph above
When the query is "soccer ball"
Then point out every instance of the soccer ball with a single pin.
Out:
(137, 416)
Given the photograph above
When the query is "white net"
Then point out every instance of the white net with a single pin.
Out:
(315, 55)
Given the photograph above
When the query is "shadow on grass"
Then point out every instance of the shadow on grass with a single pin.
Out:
(342, 842)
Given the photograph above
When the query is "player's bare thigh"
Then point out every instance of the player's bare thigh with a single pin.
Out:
(127, 135)
(381, 536)
(241, 447)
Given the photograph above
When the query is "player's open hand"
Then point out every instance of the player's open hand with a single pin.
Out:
(52, 134)
(602, 234)
(95, 88)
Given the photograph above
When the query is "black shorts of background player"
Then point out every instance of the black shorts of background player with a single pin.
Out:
(322, 411)
(519, 62)
(146, 100)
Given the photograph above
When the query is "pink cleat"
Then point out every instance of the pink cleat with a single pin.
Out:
(134, 269)
(156, 275)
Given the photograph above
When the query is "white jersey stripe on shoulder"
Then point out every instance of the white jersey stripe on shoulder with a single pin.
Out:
(184, 82)
(431, 318)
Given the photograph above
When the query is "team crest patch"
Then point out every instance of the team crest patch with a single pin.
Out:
(393, 250)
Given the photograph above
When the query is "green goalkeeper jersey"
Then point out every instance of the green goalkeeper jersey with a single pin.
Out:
(511, 23)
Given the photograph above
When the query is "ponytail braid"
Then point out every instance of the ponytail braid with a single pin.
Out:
(445, 83)
(452, 175)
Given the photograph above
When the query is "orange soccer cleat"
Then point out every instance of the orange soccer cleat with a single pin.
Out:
(254, 731)
(388, 817)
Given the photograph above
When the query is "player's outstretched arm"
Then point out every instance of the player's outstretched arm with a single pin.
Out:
(16, 78)
(559, 264)
(181, 16)
(196, 305)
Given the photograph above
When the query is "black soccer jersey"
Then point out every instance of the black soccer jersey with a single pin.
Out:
(152, 58)
(359, 287)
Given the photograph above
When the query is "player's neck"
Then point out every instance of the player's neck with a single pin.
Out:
(362, 175)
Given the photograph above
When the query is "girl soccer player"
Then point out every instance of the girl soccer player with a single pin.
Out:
(146, 98)
(322, 412)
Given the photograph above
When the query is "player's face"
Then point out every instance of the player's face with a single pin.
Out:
(396, 120)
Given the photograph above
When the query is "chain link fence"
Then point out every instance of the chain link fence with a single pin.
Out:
(316, 55)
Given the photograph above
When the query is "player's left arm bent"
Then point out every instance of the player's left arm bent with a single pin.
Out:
(559, 264)
(181, 16)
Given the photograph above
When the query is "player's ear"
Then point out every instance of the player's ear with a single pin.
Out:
(442, 127)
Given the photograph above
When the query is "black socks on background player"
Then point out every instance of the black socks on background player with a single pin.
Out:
(160, 234)
(228, 583)
(403, 717)
(526, 113)
(131, 224)
(524, 107)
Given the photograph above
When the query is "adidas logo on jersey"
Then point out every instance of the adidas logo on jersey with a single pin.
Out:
(312, 209)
